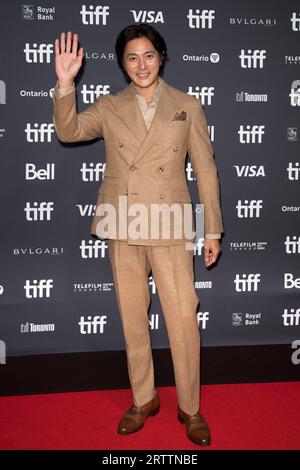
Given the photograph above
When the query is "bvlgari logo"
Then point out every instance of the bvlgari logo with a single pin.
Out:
(248, 21)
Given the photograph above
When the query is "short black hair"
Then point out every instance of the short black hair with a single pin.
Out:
(140, 30)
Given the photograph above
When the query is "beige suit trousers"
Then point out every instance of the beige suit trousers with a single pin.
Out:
(172, 270)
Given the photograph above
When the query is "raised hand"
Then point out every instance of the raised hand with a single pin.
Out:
(67, 60)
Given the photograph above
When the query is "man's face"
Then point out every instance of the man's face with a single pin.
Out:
(141, 62)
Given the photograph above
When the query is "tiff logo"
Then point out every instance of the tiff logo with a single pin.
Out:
(295, 93)
(94, 14)
(90, 95)
(202, 318)
(92, 172)
(37, 53)
(295, 22)
(292, 317)
(249, 209)
(247, 282)
(292, 244)
(40, 211)
(93, 249)
(92, 325)
(251, 135)
(39, 133)
(2, 352)
(200, 19)
(154, 321)
(252, 59)
(204, 94)
(293, 171)
(152, 284)
(2, 92)
(38, 289)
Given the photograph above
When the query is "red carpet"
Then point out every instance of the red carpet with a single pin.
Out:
(243, 416)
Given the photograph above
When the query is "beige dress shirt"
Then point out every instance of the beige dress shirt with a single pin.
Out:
(147, 110)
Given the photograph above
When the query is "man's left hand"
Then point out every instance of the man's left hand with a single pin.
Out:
(212, 249)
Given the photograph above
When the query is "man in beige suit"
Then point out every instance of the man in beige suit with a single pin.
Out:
(148, 128)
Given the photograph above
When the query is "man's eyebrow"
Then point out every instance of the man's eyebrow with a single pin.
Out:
(134, 53)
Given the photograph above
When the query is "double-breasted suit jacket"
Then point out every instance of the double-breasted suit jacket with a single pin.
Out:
(145, 167)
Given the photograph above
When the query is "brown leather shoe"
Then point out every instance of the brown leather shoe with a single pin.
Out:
(196, 427)
(134, 418)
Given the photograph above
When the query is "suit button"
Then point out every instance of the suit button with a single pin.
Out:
(162, 196)
(161, 169)
(132, 168)
(126, 193)
(120, 144)
(175, 148)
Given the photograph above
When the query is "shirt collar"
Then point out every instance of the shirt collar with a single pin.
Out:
(156, 94)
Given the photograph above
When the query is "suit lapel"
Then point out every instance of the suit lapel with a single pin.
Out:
(129, 111)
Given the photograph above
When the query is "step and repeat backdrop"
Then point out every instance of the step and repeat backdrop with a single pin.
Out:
(241, 59)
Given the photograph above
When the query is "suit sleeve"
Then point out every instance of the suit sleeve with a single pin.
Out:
(71, 126)
(201, 155)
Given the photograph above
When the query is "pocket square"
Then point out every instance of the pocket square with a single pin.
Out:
(180, 116)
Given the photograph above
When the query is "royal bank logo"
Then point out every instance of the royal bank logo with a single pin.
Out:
(237, 319)
(1, 289)
(28, 12)
(31, 12)
(246, 319)
(292, 134)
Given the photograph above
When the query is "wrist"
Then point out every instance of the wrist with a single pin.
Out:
(64, 84)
